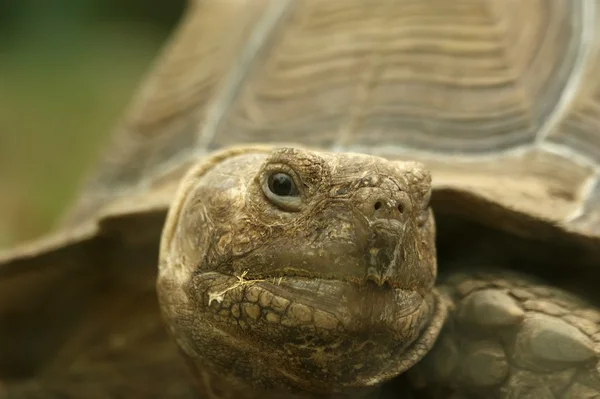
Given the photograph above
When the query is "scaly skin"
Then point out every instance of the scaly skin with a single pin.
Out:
(509, 336)
(327, 292)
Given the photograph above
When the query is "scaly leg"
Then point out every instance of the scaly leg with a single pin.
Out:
(510, 337)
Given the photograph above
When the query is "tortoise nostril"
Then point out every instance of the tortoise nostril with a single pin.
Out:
(386, 208)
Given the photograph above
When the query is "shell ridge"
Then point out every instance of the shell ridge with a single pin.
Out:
(587, 30)
(240, 70)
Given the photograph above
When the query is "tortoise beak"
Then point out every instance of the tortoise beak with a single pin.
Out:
(384, 259)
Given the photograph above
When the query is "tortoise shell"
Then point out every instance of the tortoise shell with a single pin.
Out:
(474, 90)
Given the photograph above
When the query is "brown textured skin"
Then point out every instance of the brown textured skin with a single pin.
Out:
(333, 295)
(545, 347)
(498, 99)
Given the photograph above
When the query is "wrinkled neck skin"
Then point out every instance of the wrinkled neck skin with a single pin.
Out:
(323, 290)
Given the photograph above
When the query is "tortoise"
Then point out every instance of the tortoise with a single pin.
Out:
(263, 223)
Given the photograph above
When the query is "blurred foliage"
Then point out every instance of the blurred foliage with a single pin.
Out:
(67, 71)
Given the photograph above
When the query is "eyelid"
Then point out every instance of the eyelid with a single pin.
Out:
(283, 168)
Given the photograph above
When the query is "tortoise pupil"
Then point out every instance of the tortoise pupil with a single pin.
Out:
(281, 184)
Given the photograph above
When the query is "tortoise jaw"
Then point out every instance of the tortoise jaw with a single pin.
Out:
(363, 308)
(357, 306)
(383, 331)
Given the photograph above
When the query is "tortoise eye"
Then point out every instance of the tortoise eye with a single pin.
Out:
(282, 185)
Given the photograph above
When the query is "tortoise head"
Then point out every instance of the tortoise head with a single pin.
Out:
(313, 270)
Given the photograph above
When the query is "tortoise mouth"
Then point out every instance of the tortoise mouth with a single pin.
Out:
(323, 304)
(355, 305)
(365, 334)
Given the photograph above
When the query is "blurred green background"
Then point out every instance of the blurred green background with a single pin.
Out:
(67, 71)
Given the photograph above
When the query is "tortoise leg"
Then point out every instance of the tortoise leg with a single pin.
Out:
(510, 337)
